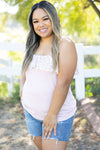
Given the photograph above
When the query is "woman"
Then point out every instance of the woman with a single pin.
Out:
(48, 69)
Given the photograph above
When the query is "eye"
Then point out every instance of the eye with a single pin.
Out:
(46, 19)
(35, 21)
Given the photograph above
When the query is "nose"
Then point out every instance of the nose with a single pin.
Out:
(41, 23)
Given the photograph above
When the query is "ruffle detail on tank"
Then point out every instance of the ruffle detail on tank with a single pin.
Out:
(42, 62)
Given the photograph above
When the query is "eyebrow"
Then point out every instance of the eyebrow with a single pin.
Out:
(42, 17)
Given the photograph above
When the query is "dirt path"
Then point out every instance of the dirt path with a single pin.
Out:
(14, 135)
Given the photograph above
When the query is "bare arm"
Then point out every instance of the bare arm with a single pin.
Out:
(22, 81)
(67, 67)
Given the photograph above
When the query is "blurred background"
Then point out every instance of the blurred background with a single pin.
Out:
(80, 20)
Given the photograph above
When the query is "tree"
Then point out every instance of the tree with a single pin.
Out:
(92, 3)
(3, 17)
(94, 6)
(75, 19)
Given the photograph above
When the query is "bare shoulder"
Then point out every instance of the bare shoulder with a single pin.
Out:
(66, 45)
(67, 51)
(66, 39)
(67, 59)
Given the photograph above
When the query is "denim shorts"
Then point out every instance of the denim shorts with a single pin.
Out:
(35, 128)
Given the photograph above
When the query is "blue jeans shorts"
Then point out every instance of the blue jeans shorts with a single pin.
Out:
(35, 128)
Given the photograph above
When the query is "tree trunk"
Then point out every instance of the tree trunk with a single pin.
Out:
(94, 7)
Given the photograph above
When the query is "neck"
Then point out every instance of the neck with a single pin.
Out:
(47, 40)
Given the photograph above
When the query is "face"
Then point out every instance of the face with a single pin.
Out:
(41, 23)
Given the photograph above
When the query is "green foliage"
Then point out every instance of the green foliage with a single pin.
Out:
(75, 17)
(9, 100)
(88, 91)
(24, 9)
(92, 61)
(73, 86)
(16, 56)
(3, 17)
(3, 89)
(15, 94)
(4, 93)
(92, 87)
(82, 24)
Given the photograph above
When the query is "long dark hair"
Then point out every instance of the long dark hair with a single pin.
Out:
(33, 40)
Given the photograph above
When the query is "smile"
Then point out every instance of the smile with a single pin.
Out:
(43, 30)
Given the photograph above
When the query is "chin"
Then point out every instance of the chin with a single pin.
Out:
(45, 35)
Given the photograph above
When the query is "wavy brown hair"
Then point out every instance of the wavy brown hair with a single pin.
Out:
(33, 40)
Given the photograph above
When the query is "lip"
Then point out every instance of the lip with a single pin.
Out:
(43, 30)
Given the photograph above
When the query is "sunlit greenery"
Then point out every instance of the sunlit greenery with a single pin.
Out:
(16, 56)
(14, 98)
(92, 89)
(81, 23)
(3, 17)
(92, 61)
(3, 89)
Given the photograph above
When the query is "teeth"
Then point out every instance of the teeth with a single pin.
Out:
(43, 30)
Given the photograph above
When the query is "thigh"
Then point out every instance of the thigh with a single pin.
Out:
(63, 130)
(52, 144)
(38, 142)
(34, 126)
(59, 141)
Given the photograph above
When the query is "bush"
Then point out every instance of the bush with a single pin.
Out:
(92, 87)
(3, 89)
(16, 56)
(73, 86)
(4, 93)
(15, 94)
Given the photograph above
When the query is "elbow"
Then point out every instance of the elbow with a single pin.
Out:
(64, 84)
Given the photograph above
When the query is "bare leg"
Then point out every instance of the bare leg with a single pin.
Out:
(38, 142)
(52, 144)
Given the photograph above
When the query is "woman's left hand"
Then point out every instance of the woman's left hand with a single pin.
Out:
(49, 123)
